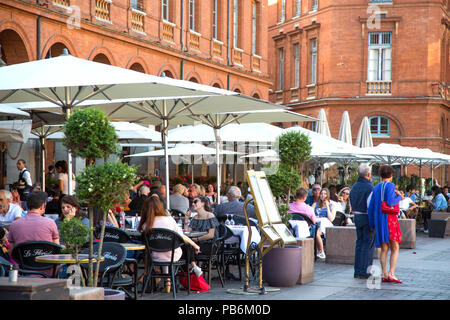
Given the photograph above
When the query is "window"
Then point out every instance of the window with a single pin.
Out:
(254, 27)
(137, 4)
(298, 8)
(380, 53)
(192, 15)
(283, 11)
(314, 5)
(313, 61)
(379, 125)
(165, 10)
(235, 24)
(214, 20)
(281, 53)
(296, 65)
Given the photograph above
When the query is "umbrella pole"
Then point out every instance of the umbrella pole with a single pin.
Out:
(192, 169)
(69, 162)
(217, 134)
(42, 140)
(166, 154)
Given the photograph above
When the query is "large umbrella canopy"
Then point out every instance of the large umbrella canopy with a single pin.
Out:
(67, 81)
(15, 130)
(12, 112)
(345, 131)
(218, 121)
(246, 132)
(183, 149)
(322, 124)
(364, 137)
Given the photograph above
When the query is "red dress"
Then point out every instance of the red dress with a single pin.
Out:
(395, 233)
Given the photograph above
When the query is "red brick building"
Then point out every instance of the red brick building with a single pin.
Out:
(384, 59)
(214, 42)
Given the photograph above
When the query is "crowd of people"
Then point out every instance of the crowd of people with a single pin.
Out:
(25, 212)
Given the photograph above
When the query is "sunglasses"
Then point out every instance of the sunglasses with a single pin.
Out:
(196, 201)
(347, 193)
(316, 189)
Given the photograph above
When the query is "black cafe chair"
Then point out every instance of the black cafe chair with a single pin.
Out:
(230, 253)
(25, 254)
(313, 228)
(110, 268)
(340, 219)
(164, 240)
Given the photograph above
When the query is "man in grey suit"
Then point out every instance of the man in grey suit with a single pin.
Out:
(234, 206)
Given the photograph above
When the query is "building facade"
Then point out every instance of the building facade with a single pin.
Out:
(384, 59)
(220, 43)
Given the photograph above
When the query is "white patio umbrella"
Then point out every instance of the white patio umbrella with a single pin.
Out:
(322, 124)
(15, 130)
(11, 111)
(345, 131)
(364, 137)
(66, 82)
(183, 149)
(218, 121)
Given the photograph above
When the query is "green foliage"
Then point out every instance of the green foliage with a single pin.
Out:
(284, 180)
(74, 234)
(285, 216)
(294, 148)
(89, 134)
(104, 185)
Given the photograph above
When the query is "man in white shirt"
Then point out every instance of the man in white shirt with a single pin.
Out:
(407, 207)
(8, 210)
(25, 182)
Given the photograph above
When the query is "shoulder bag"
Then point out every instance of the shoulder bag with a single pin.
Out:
(385, 208)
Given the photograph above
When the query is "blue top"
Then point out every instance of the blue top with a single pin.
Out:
(413, 197)
(439, 202)
(309, 200)
(321, 212)
(359, 194)
(377, 219)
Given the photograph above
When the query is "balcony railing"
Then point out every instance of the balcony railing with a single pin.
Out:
(65, 3)
(102, 9)
(194, 40)
(237, 56)
(168, 31)
(217, 48)
(256, 63)
(137, 21)
(379, 88)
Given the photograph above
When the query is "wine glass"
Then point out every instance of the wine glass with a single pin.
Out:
(231, 220)
(227, 221)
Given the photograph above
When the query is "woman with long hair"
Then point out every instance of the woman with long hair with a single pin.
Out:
(386, 227)
(153, 215)
(325, 212)
(211, 194)
(343, 204)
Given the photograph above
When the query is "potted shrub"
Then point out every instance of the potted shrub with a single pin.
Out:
(282, 265)
(89, 134)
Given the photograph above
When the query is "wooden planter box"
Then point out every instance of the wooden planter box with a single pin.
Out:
(34, 289)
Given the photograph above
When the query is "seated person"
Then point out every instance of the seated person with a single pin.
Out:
(234, 206)
(138, 201)
(299, 206)
(70, 208)
(211, 194)
(155, 216)
(34, 226)
(325, 212)
(408, 209)
(177, 199)
(8, 210)
(343, 204)
(412, 193)
(314, 196)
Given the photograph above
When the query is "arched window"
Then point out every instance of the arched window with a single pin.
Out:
(379, 125)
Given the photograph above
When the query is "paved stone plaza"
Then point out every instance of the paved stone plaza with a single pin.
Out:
(425, 272)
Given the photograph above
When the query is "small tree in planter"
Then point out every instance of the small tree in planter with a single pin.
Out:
(294, 149)
(75, 235)
(89, 134)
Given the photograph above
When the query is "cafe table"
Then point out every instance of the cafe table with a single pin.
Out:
(241, 235)
(65, 258)
(300, 227)
(133, 246)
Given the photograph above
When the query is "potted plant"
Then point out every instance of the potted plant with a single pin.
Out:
(75, 234)
(282, 265)
(89, 134)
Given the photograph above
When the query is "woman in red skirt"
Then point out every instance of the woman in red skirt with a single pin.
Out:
(386, 227)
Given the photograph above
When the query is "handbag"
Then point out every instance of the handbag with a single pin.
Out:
(197, 283)
(385, 208)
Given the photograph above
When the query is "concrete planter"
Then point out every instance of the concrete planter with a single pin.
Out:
(281, 266)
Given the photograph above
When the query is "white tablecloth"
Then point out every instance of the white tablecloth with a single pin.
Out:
(301, 229)
(242, 231)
